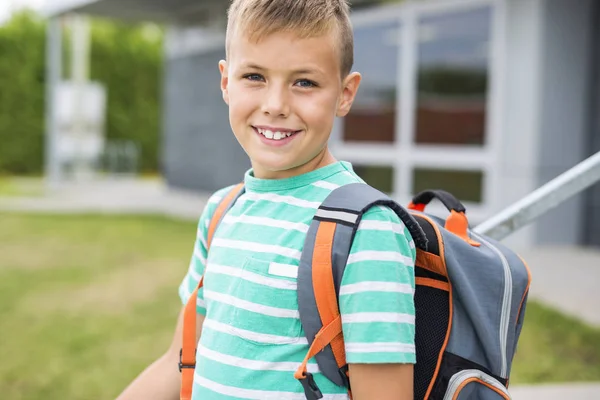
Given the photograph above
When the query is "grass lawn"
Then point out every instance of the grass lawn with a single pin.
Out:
(21, 186)
(87, 301)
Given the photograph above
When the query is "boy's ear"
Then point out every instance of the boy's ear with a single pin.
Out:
(224, 80)
(350, 88)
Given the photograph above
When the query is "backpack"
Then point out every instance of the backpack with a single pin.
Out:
(470, 297)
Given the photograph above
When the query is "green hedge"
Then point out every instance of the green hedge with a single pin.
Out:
(21, 95)
(127, 59)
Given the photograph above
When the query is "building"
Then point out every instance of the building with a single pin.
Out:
(486, 98)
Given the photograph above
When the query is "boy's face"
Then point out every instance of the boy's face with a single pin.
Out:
(283, 95)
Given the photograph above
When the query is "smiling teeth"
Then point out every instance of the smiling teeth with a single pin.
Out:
(274, 135)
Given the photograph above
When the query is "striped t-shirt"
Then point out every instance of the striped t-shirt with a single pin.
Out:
(252, 340)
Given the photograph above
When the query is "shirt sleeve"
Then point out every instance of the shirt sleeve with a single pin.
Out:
(200, 254)
(377, 291)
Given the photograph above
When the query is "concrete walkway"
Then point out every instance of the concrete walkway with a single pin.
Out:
(115, 196)
(565, 278)
(557, 392)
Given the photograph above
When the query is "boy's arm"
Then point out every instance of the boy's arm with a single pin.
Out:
(381, 381)
(377, 308)
(161, 380)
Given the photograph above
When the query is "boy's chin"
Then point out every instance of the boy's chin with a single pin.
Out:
(272, 169)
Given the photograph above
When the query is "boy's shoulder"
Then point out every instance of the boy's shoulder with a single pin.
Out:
(213, 201)
(317, 191)
(218, 195)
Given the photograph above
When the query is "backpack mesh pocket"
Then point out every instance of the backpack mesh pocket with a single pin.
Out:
(432, 316)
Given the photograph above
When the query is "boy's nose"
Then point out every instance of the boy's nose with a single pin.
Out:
(276, 103)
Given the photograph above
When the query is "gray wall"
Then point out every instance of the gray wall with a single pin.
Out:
(591, 211)
(520, 118)
(566, 74)
(200, 151)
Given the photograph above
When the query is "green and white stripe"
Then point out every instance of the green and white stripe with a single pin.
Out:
(252, 340)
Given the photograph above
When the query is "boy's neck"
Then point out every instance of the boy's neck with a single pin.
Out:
(321, 160)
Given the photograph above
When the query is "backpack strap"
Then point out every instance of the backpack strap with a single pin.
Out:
(187, 354)
(224, 206)
(322, 264)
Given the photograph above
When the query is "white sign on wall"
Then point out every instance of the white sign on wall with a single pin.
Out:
(80, 120)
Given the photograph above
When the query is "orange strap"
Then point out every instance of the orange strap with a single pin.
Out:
(187, 359)
(458, 224)
(431, 262)
(324, 288)
(326, 299)
(325, 336)
(525, 292)
(221, 208)
(465, 383)
(445, 286)
(417, 207)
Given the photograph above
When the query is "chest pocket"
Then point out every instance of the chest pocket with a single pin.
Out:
(265, 304)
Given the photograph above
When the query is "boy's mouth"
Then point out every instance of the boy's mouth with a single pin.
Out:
(275, 134)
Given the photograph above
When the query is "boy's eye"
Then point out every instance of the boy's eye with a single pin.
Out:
(254, 77)
(305, 83)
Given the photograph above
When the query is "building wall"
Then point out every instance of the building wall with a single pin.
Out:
(591, 211)
(544, 129)
(520, 118)
(200, 151)
(564, 112)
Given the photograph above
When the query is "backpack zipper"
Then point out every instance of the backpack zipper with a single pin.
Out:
(457, 380)
(506, 305)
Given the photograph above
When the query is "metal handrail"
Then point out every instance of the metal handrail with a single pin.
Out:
(542, 200)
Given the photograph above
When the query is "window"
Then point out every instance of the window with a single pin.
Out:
(421, 118)
(453, 78)
(467, 186)
(373, 114)
(380, 177)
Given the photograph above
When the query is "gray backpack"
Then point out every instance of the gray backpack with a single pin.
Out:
(470, 296)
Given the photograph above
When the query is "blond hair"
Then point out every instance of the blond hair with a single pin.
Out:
(305, 18)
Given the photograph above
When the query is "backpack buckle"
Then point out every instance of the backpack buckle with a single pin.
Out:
(311, 390)
(182, 365)
(345, 377)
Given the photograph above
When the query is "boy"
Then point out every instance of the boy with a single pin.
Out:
(286, 77)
